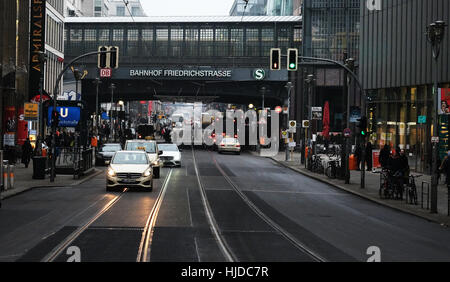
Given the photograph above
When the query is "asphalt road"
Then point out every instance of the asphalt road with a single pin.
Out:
(214, 208)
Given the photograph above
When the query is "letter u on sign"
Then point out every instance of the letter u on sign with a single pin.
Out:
(64, 112)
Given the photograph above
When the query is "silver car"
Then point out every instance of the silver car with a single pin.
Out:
(229, 144)
(130, 169)
(106, 152)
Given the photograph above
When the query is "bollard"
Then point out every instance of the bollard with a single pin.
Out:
(5, 175)
(11, 175)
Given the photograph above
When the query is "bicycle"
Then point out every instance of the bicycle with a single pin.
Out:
(411, 189)
(317, 166)
(386, 190)
(331, 170)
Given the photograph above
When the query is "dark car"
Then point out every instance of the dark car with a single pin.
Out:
(106, 152)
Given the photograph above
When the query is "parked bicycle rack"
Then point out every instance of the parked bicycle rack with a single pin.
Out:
(427, 194)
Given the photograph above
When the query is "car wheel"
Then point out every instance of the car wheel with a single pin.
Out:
(156, 171)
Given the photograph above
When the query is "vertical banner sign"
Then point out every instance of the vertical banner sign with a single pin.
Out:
(22, 127)
(443, 101)
(37, 44)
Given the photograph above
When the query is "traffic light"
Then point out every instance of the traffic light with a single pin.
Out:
(292, 62)
(114, 61)
(362, 125)
(55, 119)
(108, 60)
(103, 58)
(275, 59)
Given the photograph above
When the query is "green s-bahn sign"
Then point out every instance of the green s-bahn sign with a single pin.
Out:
(259, 74)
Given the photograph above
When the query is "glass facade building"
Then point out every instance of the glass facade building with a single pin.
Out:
(397, 70)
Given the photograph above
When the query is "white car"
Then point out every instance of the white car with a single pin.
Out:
(130, 169)
(151, 148)
(171, 155)
(229, 144)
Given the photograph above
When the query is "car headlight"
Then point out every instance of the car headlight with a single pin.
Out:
(111, 172)
(148, 172)
(177, 157)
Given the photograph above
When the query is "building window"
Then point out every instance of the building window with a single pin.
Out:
(121, 11)
(191, 42)
(252, 42)
(90, 40)
(133, 42)
(118, 39)
(222, 40)
(267, 41)
(103, 37)
(147, 41)
(162, 39)
(206, 42)
(176, 42)
(237, 42)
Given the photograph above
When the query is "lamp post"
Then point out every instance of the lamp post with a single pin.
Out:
(350, 63)
(309, 81)
(97, 83)
(435, 34)
(112, 87)
(289, 87)
(42, 60)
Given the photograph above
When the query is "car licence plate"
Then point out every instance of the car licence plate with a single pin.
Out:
(128, 180)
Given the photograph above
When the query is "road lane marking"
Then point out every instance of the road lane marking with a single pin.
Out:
(267, 219)
(212, 223)
(144, 250)
(64, 244)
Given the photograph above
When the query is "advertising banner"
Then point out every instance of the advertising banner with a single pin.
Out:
(444, 105)
(37, 44)
(22, 128)
(376, 159)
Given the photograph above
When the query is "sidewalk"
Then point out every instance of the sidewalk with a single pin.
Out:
(23, 180)
(370, 192)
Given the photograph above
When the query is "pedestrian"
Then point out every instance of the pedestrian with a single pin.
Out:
(369, 156)
(385, 154)
(445, 168)
(27, 151)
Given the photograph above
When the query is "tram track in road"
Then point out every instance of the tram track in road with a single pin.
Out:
(226, 251)
(280, 230)
(144, 250)
(50, 257)
(90, 226)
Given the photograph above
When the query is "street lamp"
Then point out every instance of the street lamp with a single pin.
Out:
(289, 87)
(350, 63)
(112, 87)
(435, 33)
(309, 81)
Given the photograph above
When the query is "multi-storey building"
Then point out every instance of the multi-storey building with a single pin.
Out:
(254, 8)
(397, 69)
(119, 9)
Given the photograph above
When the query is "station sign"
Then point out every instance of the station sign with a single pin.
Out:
(68, 116)
(31, 111)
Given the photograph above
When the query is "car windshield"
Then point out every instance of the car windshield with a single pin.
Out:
(229, 140)
(148, 147)
(111, 148)
(168, 147)
(130, 158)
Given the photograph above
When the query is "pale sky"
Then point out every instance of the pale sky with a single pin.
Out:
(187, 7)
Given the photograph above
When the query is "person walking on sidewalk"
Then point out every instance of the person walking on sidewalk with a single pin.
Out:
(385, 154)
(445, 168)
(27, 150)
(369, 156)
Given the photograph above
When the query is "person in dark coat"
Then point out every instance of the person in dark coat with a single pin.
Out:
(369, 156)
(445, 168)
(385, 154)
(27, 150)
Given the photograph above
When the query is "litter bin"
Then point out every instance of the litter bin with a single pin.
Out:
(39, 166)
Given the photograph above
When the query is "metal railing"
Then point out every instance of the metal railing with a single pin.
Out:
(73, 160)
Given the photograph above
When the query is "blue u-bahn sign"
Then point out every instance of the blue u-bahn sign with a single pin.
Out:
(68, 116)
